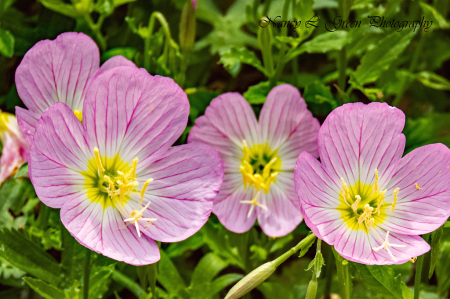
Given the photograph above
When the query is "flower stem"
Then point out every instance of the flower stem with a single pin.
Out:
(151, 24)
(310, 238)
(152, 275)
(87, 272)
(96, 29)
(419, 267)
(128, 283)
(329, 266)
(343, 275)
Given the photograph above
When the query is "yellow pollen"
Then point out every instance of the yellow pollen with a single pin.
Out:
(413, 260)
(417, 186)
(254, 202)
(346, 191)
(386, 245)
(79, 115)
(355, 204)
(250, 177)
(99, 160)
(365, 216)
(136, 216)
(380, 199)
(144, 188)
(395, 195)
(376, 187)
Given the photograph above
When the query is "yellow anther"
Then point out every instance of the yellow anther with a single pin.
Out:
(124, 178)
(79, 115)
(346, 191)
(268, 167)
(99, 160)
(376, 187)
(380, 199)
(417, 186)
(366, 214)
(132, 173)
(386, 246)
(245, 150)
(254, 202)
(369, 223)
(413, 260)
(395, 195)
(143, 189)
(355, 204)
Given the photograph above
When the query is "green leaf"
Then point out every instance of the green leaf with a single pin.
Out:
(23, 170)
(6, 43)
(442, 273)
(433, 80)
(127, 52)
(199, 99)
(33, 260)
(192, 243)
(378, 60)
(222, 282)
(319, 98)
(435, 248)
(99, 281)
(44, 289)
(432, 14)
(381, 280)
(316, 264)
(281, 242)
(305, 249)
(61, 7)
(169, 277)
(257, 94)
(205, 271)
(233, 57)
(322, 43)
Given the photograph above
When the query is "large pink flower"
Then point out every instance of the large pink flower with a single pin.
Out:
(15, 148)
(259, 158)
(119, 184)
(58, 70)
(364, 198)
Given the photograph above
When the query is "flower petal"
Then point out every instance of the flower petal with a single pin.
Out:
(228, 207)
(27, 121)
(283, 207)
(229, 116)
(57, 71)
(356, 139)
(58, 155)
(185, 181)
(420, 211)
(130, 112)
(105, 232)
(113, 62)
(282, 114)
(357, 246)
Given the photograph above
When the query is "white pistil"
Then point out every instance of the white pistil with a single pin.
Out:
(254, 202)
(386, 245)
(136, 216)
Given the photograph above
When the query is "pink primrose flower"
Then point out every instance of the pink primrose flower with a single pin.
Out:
(259, 158)
(364, 198)
(118, 183)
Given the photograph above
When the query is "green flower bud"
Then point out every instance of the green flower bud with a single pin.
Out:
(251, 280)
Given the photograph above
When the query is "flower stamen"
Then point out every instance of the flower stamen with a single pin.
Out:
(366, 215)
(143, 190)
(136, 216)
(101, 169)
(346, 192)
(355, 204)
(386, 246)
(417, 186)
(395, 195)
(254, 202)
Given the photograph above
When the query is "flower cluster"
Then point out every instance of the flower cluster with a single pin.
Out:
(101, 152)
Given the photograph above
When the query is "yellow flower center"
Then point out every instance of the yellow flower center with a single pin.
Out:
(110, 181)
(259, 166)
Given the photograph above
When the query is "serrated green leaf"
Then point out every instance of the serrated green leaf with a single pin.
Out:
(235, 56)
(44, 289)
(381, 280)
(33, 260)
(435, 248)
(378, 60)
(61, 7)
(6, 43)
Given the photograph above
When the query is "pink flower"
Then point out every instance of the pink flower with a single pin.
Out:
(259, 158)
(364, 198)
(119, 184)
(58, 70)
(15, 147)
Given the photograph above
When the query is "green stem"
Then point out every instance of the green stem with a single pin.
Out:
(310, 238)
(96, 29)
(281, 55)
(128, 283)
(328, 253)
(87, 272)
(152, 275)
(343, 275)
(151, 24)
(419, 267)
(342, 65)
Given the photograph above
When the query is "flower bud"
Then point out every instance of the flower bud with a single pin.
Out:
(251, 281)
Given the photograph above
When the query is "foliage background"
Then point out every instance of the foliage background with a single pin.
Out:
(411, 70)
